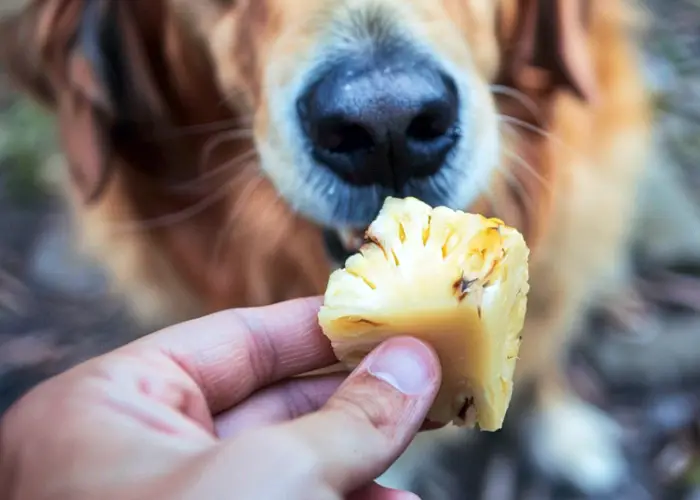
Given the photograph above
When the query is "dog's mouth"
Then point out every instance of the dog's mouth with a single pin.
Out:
(342, 243)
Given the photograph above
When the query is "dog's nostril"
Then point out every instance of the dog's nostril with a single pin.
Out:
(339, 137)
(434, 122)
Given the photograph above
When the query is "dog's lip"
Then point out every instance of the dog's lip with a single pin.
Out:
(352, 239)
(343, 242)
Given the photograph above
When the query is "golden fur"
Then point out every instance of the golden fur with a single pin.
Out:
(187, 221)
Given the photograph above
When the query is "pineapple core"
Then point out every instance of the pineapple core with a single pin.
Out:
(456, 280)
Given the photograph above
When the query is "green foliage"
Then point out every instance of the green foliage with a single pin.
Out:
(26, 139)
(693, 474)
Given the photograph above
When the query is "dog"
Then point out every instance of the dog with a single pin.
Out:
(222, 153)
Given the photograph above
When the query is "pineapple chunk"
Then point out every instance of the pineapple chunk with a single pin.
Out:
(456, 280)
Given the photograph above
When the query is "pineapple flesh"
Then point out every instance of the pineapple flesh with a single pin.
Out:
(456, 280)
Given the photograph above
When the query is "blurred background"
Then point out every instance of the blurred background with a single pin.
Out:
(55, 309)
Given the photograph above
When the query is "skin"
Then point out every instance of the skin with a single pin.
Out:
(211, 409)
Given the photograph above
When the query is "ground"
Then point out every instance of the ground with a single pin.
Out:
(56, 311)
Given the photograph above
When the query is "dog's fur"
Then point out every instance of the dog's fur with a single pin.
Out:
(188, 186)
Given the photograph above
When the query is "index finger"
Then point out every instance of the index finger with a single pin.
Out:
(231, 354)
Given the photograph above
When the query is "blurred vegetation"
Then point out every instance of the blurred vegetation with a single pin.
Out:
(27, 137)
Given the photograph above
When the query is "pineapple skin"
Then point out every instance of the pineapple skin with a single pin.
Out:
(455, 280)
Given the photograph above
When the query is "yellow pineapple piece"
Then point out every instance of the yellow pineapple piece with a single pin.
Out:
(456, 280)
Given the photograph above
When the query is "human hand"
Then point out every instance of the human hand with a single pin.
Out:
(209, 409)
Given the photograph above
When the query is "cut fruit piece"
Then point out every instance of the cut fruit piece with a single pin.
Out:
(456, 280)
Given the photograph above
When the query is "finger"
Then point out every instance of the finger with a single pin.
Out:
(373, 416)
(374, 491)
(233, 353)
(276, 404)
(283, 402)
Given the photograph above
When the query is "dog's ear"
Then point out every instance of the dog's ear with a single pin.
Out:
(546, 46)
(19, 54)
(87, 61)
(204, 13)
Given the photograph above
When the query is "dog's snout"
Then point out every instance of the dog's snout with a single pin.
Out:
(382, 122)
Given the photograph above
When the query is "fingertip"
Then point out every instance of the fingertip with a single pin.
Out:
(312, 303)
(409, 365)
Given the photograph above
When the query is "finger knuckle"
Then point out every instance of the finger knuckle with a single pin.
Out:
(368, 403)
(260, 354)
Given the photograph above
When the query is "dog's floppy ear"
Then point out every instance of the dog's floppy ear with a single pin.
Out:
(19, 54)
(205, 13)
(86, 60)
(547, 46)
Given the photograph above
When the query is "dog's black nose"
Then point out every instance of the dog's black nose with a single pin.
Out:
(382, 121)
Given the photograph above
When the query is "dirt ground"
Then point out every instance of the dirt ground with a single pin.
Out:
(55, 309)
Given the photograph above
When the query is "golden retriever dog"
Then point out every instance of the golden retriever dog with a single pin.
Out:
(222, 153)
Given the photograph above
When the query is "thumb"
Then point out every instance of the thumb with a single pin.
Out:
(373, 416)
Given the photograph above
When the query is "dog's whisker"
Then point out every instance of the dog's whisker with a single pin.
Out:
(219, 139)
(178, 216)
(519, 96)
(522, 163)
(230, 166)
(537, 130)
(206, 128)
(515, 183)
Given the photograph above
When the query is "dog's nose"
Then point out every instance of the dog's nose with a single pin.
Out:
(381, 122)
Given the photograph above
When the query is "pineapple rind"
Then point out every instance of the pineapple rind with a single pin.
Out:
(459, 281)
